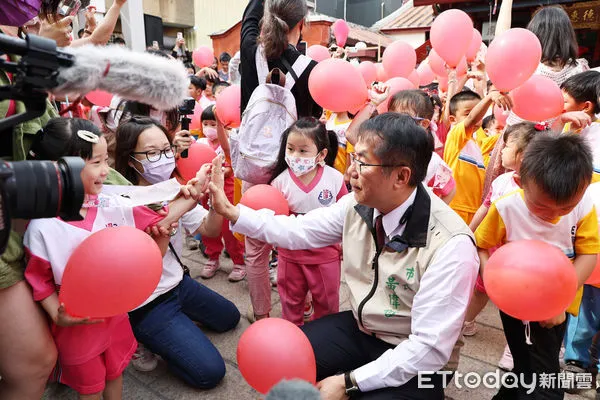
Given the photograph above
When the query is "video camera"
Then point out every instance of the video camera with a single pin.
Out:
(35, 189)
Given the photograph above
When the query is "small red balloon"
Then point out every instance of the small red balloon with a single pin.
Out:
(399, 59)
(396, 85)
(337, 86)
(273, 349)
(341, 31)
(426, 75)
(530, 280)
(438, 66)
(111, 272)
(203, 56)
(318, 52)
(99, 98)
(451, 35)
(196, 120)
(501, 115)
(368, 71)
(381, 74)
(414, 78)
(228, 106)
(474, 46)
(198, 155)
(265, 196)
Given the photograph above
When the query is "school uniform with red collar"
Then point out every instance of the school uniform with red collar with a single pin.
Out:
(88, 355)
(317, 270)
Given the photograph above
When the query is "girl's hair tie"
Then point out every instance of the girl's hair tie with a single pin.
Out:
(88, 136)
(542, 126)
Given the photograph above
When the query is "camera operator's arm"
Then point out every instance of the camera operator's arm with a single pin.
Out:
(102, 33)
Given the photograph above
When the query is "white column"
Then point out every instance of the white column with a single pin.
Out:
(132, 25)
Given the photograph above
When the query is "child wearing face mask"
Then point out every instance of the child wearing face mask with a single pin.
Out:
(92, 354)
(305, 175)
(214, 246)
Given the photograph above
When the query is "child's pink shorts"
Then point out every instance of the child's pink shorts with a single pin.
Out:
(91, 376)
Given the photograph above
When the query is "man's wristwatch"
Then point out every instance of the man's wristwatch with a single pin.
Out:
(351, 387)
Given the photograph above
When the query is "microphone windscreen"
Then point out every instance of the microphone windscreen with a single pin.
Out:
(295, 389)
(146, 78)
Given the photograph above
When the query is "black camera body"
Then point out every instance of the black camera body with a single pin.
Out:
(35, 189)
(185, 109)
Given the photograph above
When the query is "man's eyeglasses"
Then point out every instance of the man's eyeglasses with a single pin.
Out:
(155, 155)
(360, 164)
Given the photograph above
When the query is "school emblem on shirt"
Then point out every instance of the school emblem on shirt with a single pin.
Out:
(325, 197)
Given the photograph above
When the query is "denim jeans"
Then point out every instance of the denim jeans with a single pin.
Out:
(581, 329)
(168, 330)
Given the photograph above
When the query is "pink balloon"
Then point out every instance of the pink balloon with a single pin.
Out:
(318, 52)
(512, 58)
(368, 71)
(382, 76)
(203, 56)
(451, 35)
(341, 31)
(501, 115)
(228, 106)
(337, 86)
(99, 98)
(399, 59)
(474, 46)
(438, 66)
(426, 75)
(462, 67)
(443, 83)
(198, 155)
(396, 85)
(414, 78)
(538, 99)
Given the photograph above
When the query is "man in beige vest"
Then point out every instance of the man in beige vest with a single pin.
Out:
(409, 261)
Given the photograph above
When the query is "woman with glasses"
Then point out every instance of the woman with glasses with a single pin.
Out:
(165, 324)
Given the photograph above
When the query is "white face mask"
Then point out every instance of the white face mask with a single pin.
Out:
(156, 172)
(302, 165)
(210, 132)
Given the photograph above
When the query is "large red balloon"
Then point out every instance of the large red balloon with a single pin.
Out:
(539, 99)
(426, 75)
(341, 31)
(414, 78)
(265, 196)
(318, 52)
(530, 280)
(111, 272)
(273, 349)
(368, 71)
(451, 34)
(228, 106)
(396, 85)
(198, 155)
(594, 278)
(399, 59)
(382, 76)
(512, 58)
(99, 98)
(203, 56)
(337, 86)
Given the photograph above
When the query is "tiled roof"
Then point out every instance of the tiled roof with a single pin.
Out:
(358, 33)
(407, 17)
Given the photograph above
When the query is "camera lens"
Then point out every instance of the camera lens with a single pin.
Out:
(45, 189)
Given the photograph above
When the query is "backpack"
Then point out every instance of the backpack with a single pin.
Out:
(270, 111)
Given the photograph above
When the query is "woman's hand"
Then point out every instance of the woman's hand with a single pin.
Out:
(183, 140)
(197, 187)
(64, 319)
(59, 31)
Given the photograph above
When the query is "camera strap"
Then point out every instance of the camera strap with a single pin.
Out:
(186, 270)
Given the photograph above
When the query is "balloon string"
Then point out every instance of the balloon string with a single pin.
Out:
(527, 333)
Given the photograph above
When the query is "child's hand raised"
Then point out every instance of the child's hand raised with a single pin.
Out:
(64, 319)
(197, 187)
(501, 100)
(578, 119)
(379, 93)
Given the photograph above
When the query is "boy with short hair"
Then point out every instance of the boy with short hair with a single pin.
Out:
(553, 206)
(461, 152)
(196, 87)
(224, 59)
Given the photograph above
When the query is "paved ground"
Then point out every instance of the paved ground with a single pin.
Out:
(480, 354)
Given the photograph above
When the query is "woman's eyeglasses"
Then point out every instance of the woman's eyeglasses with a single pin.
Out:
(155, 155)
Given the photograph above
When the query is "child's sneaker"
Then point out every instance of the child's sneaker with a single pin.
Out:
(143, 359)
(238, 273)
(210, 269)
(470, 328)
(506, 362)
